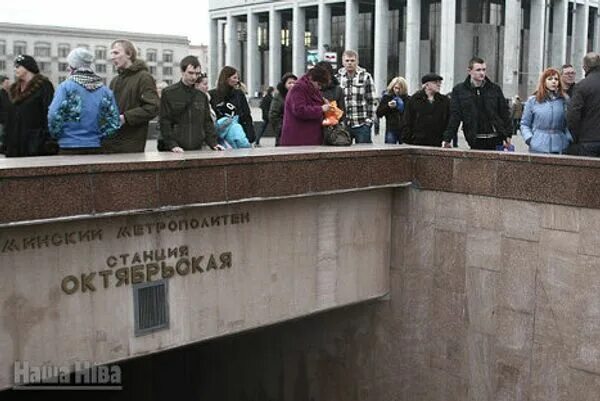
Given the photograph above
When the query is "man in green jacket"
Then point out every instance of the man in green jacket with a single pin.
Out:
(185, 121)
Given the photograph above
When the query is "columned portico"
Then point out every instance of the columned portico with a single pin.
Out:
(324, 27)
(448, 36)
(252, 55)
(350, 31)
(381, 44)
(274, 46)
(232, 55)
(213, 67)
(413, 43)
(559, 34)
(512, 48)
(298, 27)
(579, 42)
(536, 43)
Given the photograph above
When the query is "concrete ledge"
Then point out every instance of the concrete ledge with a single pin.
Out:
(57, 187)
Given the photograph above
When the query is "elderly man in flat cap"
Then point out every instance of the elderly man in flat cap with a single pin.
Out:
(426, 113)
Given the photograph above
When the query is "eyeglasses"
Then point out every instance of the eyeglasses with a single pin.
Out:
(19, 58)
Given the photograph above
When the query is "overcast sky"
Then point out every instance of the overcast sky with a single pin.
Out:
(176, 18)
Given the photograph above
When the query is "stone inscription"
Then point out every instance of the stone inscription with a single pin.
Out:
(143, 266)
(59, 239)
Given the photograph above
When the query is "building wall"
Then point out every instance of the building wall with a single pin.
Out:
(162, 68)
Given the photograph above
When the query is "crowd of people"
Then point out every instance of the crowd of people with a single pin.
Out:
(83, 116)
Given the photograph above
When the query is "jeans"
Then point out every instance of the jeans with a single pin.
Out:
(361, 134)
(262, 131)
(392, 137)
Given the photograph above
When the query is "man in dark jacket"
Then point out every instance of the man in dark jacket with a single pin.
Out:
(426, 114)
(265, 105)
(6, 111)
(185, 121)
(583, 110)
(482, 108)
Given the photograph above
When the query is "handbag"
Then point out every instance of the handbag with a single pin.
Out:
(336, 135)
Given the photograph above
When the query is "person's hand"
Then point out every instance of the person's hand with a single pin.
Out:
(506, 142)
(217, 147)
(446, 144)
(392, 104)
(121, 120)
(177, 149)
(325, 107)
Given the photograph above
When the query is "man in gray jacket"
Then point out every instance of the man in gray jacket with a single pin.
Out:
(583, 110)
(185, 122)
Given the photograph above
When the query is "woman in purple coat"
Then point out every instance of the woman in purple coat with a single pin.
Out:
(304, 108)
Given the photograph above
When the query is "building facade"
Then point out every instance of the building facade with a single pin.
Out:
(517, 38)
(50, 46)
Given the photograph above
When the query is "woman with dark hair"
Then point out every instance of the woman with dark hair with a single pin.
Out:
(278, 104)
(333, 91)
(228, 99)
(304, 108)
(31, 95)
(544, 124)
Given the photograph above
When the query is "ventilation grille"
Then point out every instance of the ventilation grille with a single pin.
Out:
(151, 307)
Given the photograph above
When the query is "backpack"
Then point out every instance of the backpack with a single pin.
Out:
(336, 135)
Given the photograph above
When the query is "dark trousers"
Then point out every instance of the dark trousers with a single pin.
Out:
(262, 131)
(486, 143)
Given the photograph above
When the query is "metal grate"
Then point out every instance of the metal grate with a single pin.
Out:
(151, 305)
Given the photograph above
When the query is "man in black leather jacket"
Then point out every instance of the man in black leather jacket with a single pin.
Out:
(482, 108)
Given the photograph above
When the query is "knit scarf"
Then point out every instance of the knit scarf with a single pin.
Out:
(87, 79)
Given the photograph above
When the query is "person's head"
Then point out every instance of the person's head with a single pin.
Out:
(25, 67)
(591, 61)
(477, 70)
(397, 86)
(4, 82)
(549, 83)
(270, 90)
(190, 70)
(160, 86)
(80, 59)
(432, 83)
(319, 77)
(202, 83)
(329, 68)
(122, 53)
(567, 75)
(285, 84)
(350, 60)
(228, 79)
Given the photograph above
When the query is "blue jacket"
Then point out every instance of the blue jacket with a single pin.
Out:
(231, 134)
(80, 117)
(544, 125)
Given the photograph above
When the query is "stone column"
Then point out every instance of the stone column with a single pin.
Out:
(213, 64)
(447, 44)
(413, 44)
(220, 50)
(381, 45)
(274, 46)
(351, 31)
(579, 38)
(559, 34)
(512, 48)
(597, 32)
(298, 29)
(252, 55)
(536, 43)
(232, 55)
(324, 28)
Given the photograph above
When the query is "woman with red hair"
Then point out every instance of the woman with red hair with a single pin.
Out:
(544, 124)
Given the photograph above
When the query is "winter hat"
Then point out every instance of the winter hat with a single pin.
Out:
(431, 77)
(27, 62)
(80, 59)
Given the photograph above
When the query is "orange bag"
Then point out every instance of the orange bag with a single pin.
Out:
(333, 115)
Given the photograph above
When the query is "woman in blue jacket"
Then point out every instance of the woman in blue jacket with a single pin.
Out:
(544, 124)
(83, 110)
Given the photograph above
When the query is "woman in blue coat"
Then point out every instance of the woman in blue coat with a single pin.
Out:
(544, 124)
